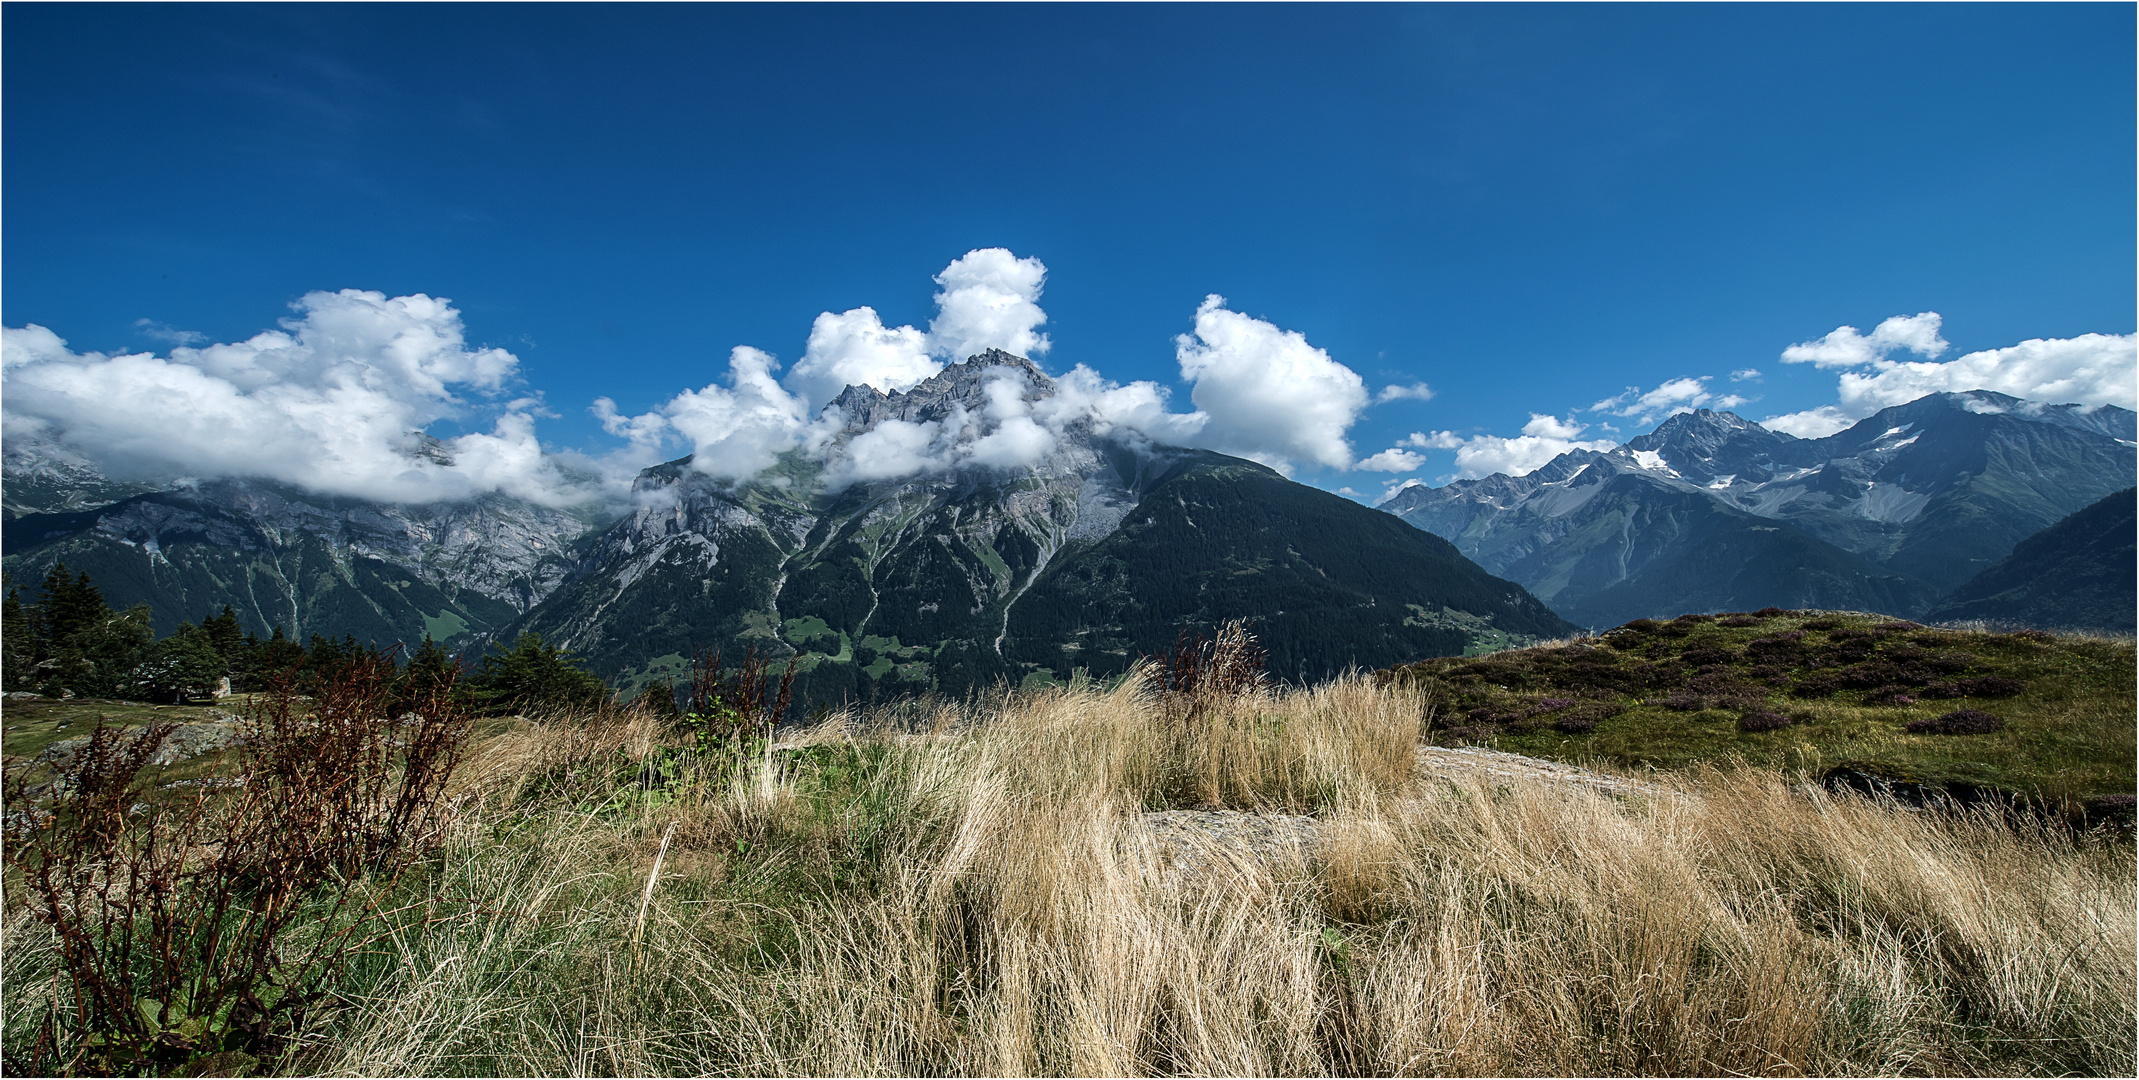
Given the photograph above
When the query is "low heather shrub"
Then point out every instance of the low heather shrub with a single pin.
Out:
(1891, 695)
(1957, 722)
(1761, 720)
(1703, 655)
(1983, 686)
(1785, 642)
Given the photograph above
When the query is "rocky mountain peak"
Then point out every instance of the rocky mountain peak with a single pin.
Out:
(961, 385)
(1707, 444)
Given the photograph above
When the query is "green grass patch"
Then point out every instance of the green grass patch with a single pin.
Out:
(444, 626)
(809, 628)
(1811, 691)
(31, 726)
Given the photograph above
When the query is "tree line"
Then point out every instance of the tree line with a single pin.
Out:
(67, 641)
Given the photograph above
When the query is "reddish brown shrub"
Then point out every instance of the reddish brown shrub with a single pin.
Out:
(1957, 722)
(197, 934)
(1755, 720)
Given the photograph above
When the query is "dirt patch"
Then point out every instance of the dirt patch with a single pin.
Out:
(1497, 766)
(1203, 846)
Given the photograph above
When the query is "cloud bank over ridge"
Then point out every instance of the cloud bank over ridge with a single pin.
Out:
(2091, 369)
(338, 399)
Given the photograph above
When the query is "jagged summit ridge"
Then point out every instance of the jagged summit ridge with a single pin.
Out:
(961, 385)
(1906, 503)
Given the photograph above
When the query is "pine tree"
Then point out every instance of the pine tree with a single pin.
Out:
(276, 657)
(72, 608)
(182, 666)
(534, 675)
(20, 648)
(429, 670)
(93, 650)
(226, 635)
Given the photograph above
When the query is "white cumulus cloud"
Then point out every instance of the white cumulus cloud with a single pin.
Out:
(1270, 395)
(338, 399)
(989, 300)
(2091, 369)
(855, 348)
(1017, 441)
(1414, 392)
(335, 401)
(1674, 396)
(1845, 347)
(1811, 423)
(1545, 437)
(738, 430)
(1139, 407)
(893, 448)
(1394, 459)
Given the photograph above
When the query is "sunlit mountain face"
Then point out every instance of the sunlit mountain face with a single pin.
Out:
(1713, 512)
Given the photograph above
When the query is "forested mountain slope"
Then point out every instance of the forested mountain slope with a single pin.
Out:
(2078, 574)
(1086, 558)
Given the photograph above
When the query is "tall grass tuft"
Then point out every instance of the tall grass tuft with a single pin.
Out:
(984, 895)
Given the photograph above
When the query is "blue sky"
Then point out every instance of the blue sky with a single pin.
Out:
(1528, 208)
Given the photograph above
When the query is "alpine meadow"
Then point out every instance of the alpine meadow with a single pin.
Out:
(895, 540)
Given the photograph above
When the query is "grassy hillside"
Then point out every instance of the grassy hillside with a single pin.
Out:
(1819, 692)
(1128, 882)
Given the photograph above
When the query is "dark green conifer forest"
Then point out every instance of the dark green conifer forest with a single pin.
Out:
(65, 640)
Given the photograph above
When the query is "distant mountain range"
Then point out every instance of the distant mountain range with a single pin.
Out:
(1094, 555)
(311, 564)
(1106, 546)
(1713, 512)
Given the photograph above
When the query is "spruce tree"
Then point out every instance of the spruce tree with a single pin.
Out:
(183, 666)
(534, 675)
(430, 669)
(72, 608)
(277, 656)
(19, 646)
(226, 635)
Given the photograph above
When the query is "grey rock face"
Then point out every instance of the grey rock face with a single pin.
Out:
(43, 477)
(1089, 549)
(915, 559)
(309, 563)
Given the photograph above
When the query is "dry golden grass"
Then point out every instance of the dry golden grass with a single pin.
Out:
(980, 897)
